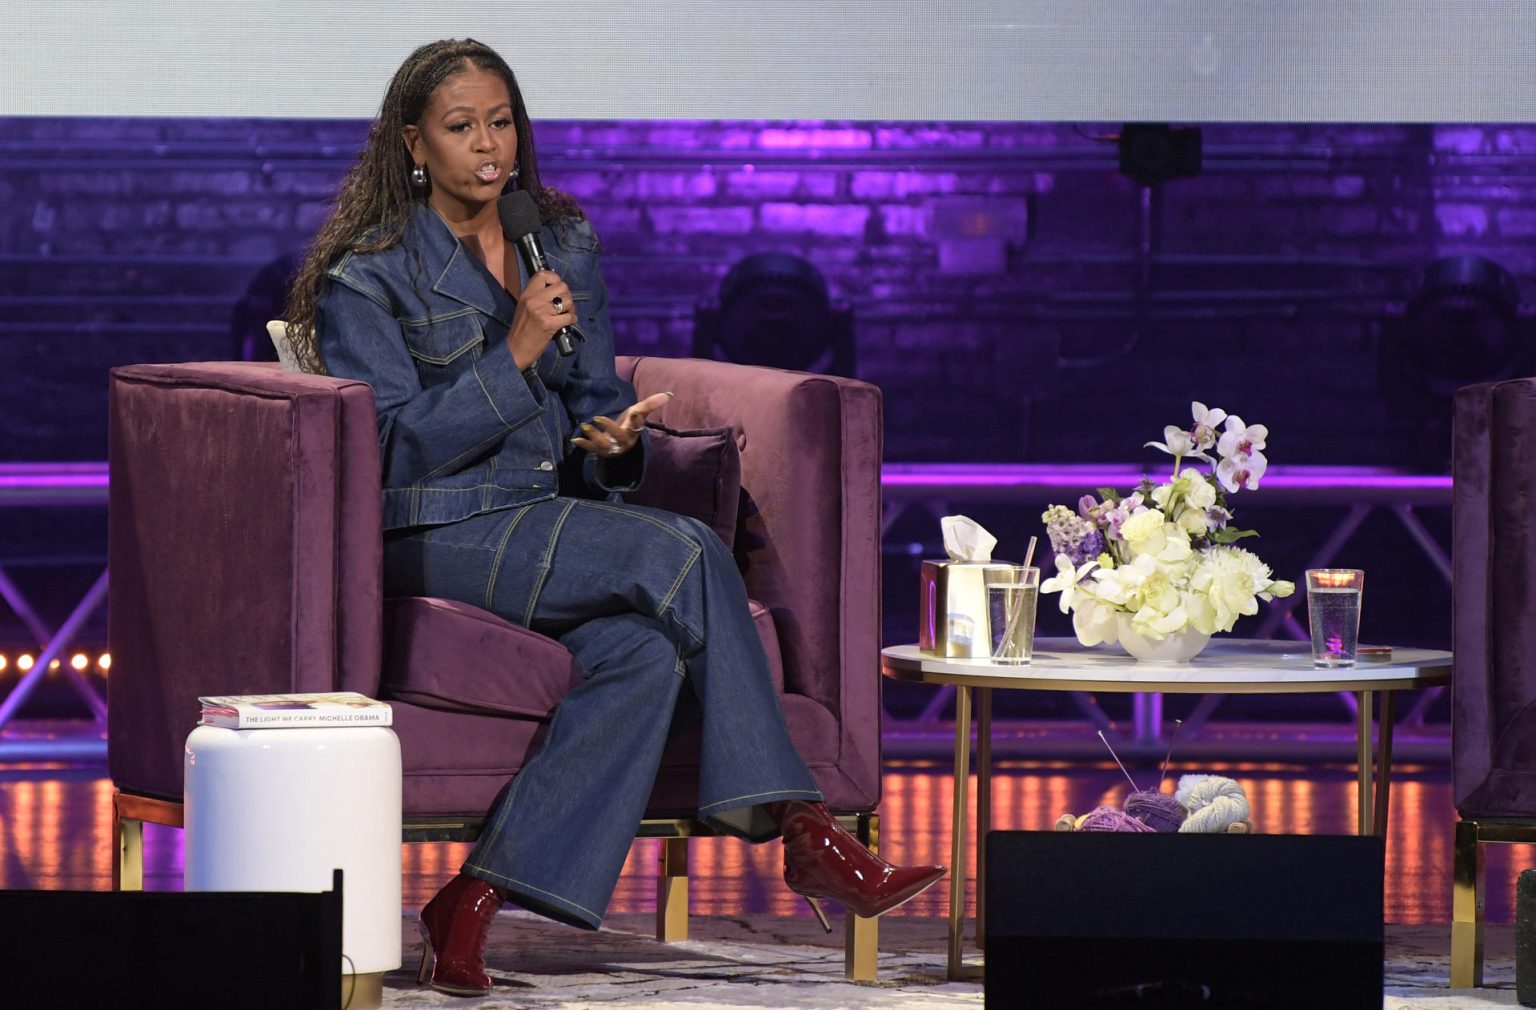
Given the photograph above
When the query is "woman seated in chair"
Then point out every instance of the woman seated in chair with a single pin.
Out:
(503, 464)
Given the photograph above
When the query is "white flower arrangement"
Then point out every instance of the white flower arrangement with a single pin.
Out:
(1164, 555)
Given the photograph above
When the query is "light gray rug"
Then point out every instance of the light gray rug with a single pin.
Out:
(773, 963)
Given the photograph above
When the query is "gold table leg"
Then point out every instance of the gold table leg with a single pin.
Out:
(1383, 764)
(983, 805)
(1467, 909)
(959, 832)
(1364, 822)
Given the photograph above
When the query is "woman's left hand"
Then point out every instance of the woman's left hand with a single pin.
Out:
(603, 436)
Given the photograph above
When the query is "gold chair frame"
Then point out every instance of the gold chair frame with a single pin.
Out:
(1467, 892)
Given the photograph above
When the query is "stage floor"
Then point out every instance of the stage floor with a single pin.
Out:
(55, 823)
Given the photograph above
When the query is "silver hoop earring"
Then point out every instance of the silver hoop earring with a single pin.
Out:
(419, 176)
(512, 175)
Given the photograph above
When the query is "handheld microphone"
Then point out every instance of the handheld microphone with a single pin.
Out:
(520, 224)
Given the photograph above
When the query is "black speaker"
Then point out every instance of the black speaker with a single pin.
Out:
(1099, 919)
(93, 949)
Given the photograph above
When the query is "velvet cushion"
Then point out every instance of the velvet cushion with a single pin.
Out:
(454, 657)
(694, 472)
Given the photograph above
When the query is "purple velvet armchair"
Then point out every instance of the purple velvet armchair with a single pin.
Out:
(1493, 691)
(245, 545)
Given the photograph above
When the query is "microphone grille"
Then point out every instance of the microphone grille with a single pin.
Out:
(519, 214)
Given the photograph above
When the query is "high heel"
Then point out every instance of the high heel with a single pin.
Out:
(424, 970)
(453, 928)
(822, 860)
(821, 916)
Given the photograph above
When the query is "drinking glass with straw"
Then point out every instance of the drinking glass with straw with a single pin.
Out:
(1011, 607)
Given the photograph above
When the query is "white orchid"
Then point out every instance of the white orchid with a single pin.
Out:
(1207, 419)
(1241, 438)
(1241, 471)
(1179, 444)
(1066, 579)
(1161, 559)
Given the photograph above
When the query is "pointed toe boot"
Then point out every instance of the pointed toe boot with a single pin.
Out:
(822, 860)
(454, 927)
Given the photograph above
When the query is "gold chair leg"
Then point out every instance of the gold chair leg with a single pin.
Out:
(672, 891)
(1467, 909)
(129, 815)
(127, 851)
(861, 947)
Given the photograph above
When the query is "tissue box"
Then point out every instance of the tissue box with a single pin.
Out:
(952, 608)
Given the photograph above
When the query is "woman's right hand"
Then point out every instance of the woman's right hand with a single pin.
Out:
(543, 308)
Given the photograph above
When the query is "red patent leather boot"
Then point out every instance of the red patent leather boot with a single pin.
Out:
(453, 930)
(822, 860)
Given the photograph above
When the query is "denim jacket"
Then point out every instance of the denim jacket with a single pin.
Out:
(461, 430)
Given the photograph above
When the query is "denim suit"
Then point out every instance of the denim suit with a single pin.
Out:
(461, 431)
(486, 501)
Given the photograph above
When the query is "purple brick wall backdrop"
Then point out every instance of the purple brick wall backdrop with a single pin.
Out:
(131, 240)
(1082, 327)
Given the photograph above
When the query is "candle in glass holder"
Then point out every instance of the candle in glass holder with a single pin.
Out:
(1333, 611)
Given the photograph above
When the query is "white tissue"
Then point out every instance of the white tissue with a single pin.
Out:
(966, 539)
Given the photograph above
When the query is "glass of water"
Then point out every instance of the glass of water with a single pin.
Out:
(1012, 593)
(1333, 611)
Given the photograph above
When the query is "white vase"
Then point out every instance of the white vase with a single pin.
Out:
(1178, 647)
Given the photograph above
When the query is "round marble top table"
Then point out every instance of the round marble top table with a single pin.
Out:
(1227, 666)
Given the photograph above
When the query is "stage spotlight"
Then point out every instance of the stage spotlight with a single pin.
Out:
(1153, 153)
(3, 662)
(78, 661)
(24, 662)
(1462, 325)
(104, 662)
(774, 309)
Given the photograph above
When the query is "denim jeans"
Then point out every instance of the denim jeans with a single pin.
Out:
(647, 601)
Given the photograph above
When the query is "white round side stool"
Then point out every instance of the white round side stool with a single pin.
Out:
(279, 809)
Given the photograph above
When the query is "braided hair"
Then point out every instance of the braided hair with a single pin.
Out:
(377, 199)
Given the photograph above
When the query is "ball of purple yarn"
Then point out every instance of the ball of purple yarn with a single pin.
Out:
(1157, 810)
(1110, 819)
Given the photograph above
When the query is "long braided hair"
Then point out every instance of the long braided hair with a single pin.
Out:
(377, 199)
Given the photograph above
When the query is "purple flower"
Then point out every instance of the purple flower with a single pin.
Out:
(1087, 549)
(1072, 535)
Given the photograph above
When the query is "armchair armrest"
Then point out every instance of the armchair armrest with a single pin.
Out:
(808, 535)
(244, 543)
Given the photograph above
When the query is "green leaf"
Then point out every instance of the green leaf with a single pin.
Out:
(1229, 534)
(1108, 494)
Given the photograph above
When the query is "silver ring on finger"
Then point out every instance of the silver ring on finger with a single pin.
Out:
(559, 304)
(614, 449)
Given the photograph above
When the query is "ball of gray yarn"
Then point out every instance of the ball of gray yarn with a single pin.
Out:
(1157, 810)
